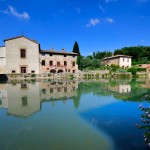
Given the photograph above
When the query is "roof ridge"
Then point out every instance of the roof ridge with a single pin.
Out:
(20, 37)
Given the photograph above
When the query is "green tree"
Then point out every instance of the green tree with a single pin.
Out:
(76, 48)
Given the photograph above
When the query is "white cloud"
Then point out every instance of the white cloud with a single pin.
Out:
(93, 22)
(12, 11)
(110, 20)
(101, 8)
(107, 1)
(23, 15)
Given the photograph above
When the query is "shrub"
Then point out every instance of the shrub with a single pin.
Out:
(33, 75)
(141, 69)
(132, 70)
(71, 77)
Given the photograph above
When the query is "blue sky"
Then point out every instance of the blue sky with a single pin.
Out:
(96, 25)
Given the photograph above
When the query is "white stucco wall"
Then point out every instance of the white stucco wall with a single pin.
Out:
(125, 62)
(2, 60)
(14, 61)
(15, 103)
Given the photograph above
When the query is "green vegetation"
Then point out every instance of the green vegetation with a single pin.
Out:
(132, 70)
(140, 54)
(76, 48)
(33, 75)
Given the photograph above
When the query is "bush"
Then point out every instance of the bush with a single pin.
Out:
(33, 75)
(114, 67)
(141, 69)
(132, 70)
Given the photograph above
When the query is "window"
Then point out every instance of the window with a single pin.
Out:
(50, 54)
(73, 56)
(23, 70)
(43, 62)
(127, 59)
(51, 90)
(73, 71)
(0, 101)
(65, 55)
(65, 63)
(24, 101)
(74, 89)
(73, 63)
(123, 59)
(58, 89)
(23, 53)
(13, 71)
(43, 54)
(43, 91)
(58, 63)
(65, 89)
(32, 71)
(23, 86)
(51, 63)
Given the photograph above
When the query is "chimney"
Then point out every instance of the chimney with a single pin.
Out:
(52, 49)
(63, 50)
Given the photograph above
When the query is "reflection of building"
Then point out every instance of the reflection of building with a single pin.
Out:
(3, 96)
(23, 55)
(119, 88)
(24, 99)
(120, 60)
(58, 90)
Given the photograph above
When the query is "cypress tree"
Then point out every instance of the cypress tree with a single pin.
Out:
(76, 48)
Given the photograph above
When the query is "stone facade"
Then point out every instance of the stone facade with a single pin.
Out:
(22, 55)
(120, 60)
(2, 60)
(58, 62)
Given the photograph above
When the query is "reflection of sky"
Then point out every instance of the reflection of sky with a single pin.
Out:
(118, 121)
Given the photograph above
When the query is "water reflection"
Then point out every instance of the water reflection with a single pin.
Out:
(23, 98)
(65, 121)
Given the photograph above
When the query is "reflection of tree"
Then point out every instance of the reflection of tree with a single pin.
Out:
(145, 117)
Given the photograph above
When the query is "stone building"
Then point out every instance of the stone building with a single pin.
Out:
(23, 55)
(120, 60)
(58, 62)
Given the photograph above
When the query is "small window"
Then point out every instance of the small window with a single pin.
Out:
(0, 101)
(24, 101)
(43, 54)
(23, 53)
(51, 63)
(74, 89)
(50, 54)
(23, 86)
(32, 71)
(43, 91)
(65, 55)
(68, 70)
(13, 71)
(123, 59)
(73, 71)
(65, 89)
(65, 63)
(51, 90)
(73, 56)
(58, 63)
(127, 59)
(43, 62)
(74, 64)
(58, 89)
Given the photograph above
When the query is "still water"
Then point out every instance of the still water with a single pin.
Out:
(73, 115)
